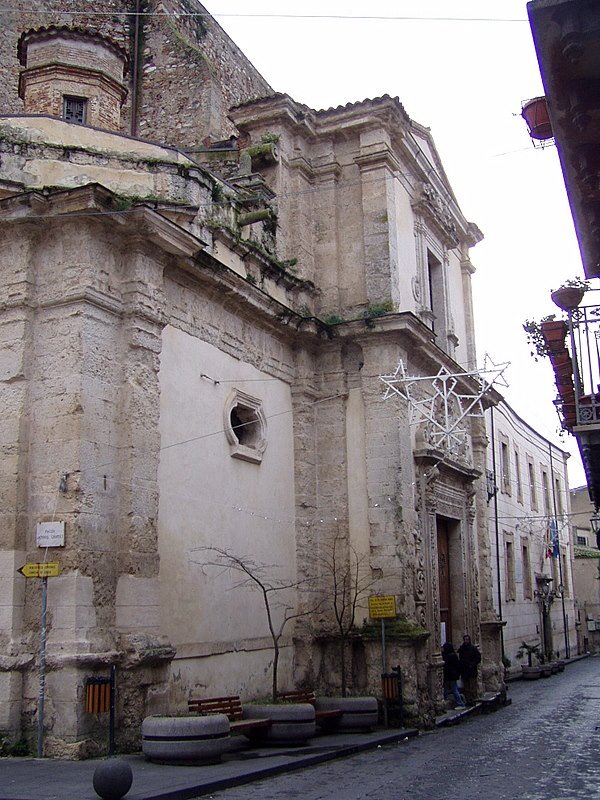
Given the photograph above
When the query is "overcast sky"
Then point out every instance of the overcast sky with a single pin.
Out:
(464, 75)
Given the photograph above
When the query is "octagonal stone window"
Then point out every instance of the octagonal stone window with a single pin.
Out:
(245, 426)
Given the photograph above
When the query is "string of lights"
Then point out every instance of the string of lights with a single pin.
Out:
(536, 526)
(535, 522)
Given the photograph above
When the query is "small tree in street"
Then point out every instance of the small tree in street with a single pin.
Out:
(530, 650)
(260, 577)
(346, 582)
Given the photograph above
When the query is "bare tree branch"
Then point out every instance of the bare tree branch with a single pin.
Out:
(258, 576)
(346, 582)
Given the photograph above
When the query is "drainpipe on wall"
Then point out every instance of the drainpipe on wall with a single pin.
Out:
(135, 69)
(560, 572)
(497, 531)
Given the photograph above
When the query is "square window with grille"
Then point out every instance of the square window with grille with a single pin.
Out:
(74, 109)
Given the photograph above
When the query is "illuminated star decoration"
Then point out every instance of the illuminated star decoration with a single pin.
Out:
(446, 408)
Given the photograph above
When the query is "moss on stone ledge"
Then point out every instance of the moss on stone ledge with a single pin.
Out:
(399, 629)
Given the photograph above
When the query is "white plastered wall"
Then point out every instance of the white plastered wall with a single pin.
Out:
(209, 498)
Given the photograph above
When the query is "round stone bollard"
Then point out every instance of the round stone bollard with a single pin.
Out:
(112, 779)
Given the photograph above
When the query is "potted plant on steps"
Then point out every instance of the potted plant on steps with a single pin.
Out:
(530, 671)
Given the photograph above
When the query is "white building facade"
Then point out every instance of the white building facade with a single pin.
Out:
(530, 537)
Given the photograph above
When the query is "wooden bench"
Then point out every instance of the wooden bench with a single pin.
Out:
(324, 718)
(232, 708)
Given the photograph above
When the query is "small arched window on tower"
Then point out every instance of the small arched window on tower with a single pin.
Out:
(245, 426)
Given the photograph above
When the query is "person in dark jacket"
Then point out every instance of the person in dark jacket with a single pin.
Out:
(452, 673)
(469, 658)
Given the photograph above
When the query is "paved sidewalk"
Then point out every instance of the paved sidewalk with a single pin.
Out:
(47, 779)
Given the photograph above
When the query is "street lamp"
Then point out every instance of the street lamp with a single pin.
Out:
(595, 523)
(544, 594)
(492, 489)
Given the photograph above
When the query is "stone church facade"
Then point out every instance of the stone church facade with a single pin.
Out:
(202, 283)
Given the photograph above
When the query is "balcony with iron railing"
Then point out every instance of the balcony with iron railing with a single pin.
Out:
(583, 340)
(576, 364)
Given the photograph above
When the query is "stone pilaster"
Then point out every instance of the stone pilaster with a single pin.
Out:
(377, 166)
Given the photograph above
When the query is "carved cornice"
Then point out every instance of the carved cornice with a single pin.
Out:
(326, 169)
(301, 165)
(430, 204)
(93, 199)
(428, 458)
(377, 159)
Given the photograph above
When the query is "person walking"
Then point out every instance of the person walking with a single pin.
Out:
(452, 673)
(469, 658)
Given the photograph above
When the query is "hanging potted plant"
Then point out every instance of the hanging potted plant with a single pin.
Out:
(535, 114)
(545, 337)
(563, 368)
(570, 294)
(554, 333)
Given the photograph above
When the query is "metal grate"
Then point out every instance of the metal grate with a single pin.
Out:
(74, 109)
(97, 695)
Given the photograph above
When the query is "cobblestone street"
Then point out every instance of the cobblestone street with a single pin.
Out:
(542, 747)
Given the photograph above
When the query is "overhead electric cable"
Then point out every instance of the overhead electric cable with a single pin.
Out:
(293, 16)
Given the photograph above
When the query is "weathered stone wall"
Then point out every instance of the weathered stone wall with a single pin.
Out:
(122, 337)
(17, 18)
(74, 52)
(44, 90)
(190, 72)
(60, 65)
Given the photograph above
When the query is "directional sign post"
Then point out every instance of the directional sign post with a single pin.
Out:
(44, 570)
(49, 569)
(42, 671)
(383, 607)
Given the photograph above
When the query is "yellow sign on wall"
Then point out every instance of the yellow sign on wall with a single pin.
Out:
(382, 606)
(49, 569)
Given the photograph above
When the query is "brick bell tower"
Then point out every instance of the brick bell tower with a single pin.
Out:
(74, 75)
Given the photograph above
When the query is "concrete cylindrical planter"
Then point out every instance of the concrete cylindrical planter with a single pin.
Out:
(531, 673)
(358, 713)
(185, 740)
(291, 723)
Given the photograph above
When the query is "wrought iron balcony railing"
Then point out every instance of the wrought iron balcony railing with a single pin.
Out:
(584, 339)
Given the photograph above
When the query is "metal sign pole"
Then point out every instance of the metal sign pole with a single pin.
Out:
(382, 607)
(111, 721)
(383, 660)
(42, 671)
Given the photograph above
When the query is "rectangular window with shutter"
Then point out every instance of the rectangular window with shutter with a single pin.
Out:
(74, 109)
